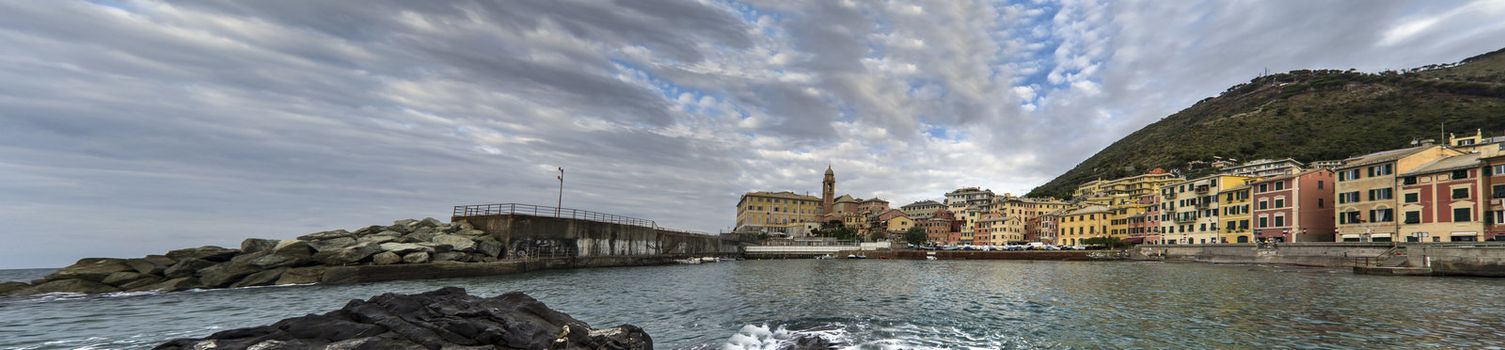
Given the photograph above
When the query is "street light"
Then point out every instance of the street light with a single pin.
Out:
(560, 203)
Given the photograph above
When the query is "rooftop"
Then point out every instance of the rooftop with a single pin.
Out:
(1466, 161)
(1381, 157)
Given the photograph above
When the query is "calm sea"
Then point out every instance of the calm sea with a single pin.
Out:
(874, 304)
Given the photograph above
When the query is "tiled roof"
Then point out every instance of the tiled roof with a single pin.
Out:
(1381, 157)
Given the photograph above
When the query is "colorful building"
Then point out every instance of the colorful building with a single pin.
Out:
(1494, 180)
(941, 228)
(1441, 201)
(776, 212)
(1294, 208)
(1081, 224)
(1189, 209)
(1234, 215)
(1365, 191)
(1265, 168)
(921, 209)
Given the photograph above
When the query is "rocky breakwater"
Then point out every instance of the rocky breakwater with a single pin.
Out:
(447, 318)
(261, 262)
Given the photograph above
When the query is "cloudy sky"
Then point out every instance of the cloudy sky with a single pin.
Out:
(129, 128)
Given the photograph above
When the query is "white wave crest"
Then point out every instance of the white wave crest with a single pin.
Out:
(755, 337)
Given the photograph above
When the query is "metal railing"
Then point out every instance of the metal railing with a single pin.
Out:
(547, 211)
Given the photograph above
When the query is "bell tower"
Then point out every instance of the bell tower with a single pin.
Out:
(828, 193)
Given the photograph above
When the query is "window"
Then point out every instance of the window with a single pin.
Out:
(1280, 221)
(1461, 215)
(1264, 222)
(1382, 215)
(1280, 203)
(1409, 180)
(1460, 174)
(1262, 188)
(1413, 217)
(1348, 175)
(1280, 185)
(1232, 225)
(1495, 218)
(1498, 169)
(1264, 205)
(1412, 198)
(1382, 170)
(1319, 203)
(1460, 193)
(1499, 191)
(1319, 184)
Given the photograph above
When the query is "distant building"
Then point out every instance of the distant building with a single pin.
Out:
(1080, 224)
(1366, 186)
(1189, 209)
(1265, 167)
(1043, 228)
(1234, 214)
(1477, 143)
(1294, 208)
(959, 200)
(1494, 180)
(921, 209)
(1326, 164)
(941, 228)
(1441, 200)
(776, 212)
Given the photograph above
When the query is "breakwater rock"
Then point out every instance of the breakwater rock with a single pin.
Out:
(447, 318)
(261, 262)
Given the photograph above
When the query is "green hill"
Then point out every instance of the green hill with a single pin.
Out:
(1309, 115)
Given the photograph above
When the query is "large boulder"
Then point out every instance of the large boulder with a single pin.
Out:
(11, 287)
(222, 275)
(294, 248)
(91, 269)
(146, 266)
(415, 258)
(386, 258)
(332, 244)
(448, 256)
(489, 247)
(143, 282)
(252, 245)
(430, 222)
(187, 268)
(378, 239)
(210, 253)
(272, 261)
(301, 275)
(70, 285)
(263, 278)
(456, 242)
(447, 318)
(318, 236)
(404, 248)
(119, 279)
(172, 285)
(349, 255)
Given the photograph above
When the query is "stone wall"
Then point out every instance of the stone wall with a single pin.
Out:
(536, 236)
(1458, 261)
(1304, 254)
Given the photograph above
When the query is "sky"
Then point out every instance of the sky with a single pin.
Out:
(132, 128)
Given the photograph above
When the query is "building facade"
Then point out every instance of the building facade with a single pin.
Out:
(1494, 180)
(1189, 209)
(1234, 215)
(921, 209)
(1294, 208)
(1078, 225)
(776, 212)
(1366, 191)
(1266, 168)
(1441, 201)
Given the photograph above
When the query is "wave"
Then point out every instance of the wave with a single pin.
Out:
(762, 337)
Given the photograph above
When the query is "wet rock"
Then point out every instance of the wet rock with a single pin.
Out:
(404, 248)
(91, 269)
(448, 256)
(301, 275)
(71, 286)
(489, 247)
(415, 258)
(273, 261)
(160, 260)
(11, 287)
(146, 266)
(210, 253)
(143, 282)
(172, 285)
(447, 318)
(455, 242)
(349, 255)
(263, 278)
(253, 245)
(386, 258)
(187, 268)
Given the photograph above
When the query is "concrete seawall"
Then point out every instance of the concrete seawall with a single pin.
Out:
(380, 273)
(1302, 254)
(1486, 261)
(1067, 255)
(542, 236)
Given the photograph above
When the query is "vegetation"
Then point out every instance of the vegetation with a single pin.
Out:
(1308, 115)
(836, 229)
(1109, 242)
(915, 236)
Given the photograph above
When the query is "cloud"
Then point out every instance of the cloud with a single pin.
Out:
(133, 128)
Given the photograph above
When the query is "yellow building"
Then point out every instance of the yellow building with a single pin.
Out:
(1127, 189)
(1366, 195)
(776, 212)
(1080, 224)
(1190, 208)
(899, 224)
(1234, 214)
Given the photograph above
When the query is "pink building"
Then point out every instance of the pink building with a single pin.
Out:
(1294, 208)
(1145, 228)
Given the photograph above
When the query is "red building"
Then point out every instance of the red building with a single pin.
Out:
(1441, 201)
(1294, 208)
(942, 228)
(1145, 228)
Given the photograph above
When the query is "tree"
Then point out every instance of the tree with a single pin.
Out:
(835, 229)
(915, 236)
(1108, 242)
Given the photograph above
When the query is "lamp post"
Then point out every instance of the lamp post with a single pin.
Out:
(560, 203)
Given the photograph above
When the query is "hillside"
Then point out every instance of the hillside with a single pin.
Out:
(1309, 115)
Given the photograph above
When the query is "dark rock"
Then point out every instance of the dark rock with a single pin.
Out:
(263, 278)
(121, 278)
(301, 275)
(404, 248)
(146, 266)
(11, 287)
(172, 285)
(448, 256)
(332, 244)
(211, 253)
(346, 256)
(252, 245)
(273, 261)
(378, 239)
(160, 260)
(430, 222)
(447, 318)
(91, 269)
(70, 286)
(404, 223)
(489, 247)
(187, 268)
(222, 275)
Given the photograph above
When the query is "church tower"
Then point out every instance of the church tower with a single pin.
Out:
(828, 194)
